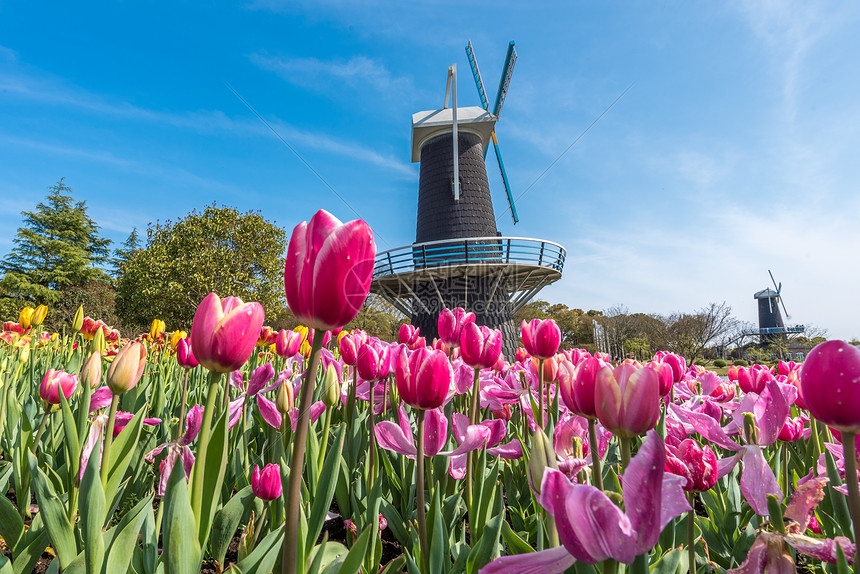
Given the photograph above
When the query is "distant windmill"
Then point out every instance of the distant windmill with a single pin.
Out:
(504, 82)
(770, 321)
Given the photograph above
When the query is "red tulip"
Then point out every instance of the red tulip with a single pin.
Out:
(373, 360)
(224, 332)
(480, 346)
(522, 355)
(541, 338)
(451, 323)
(830, 380)
(184, 354)
(627, 399)
(266, 483)
(424, 378)
(698, 465)
(328, 270)
(127, 368)
(53, 381)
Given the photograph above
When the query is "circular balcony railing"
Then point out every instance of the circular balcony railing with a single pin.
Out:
(471, 251)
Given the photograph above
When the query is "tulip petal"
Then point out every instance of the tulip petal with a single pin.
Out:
(100, 399)
(94, 436)
(643, 486)
(706, 426)
(674, 502)
(509, 450)
(774, 412)
(435, 431)
(457, 466)
(804, 500)
(261, 375)
(391, 437)
(822, 548)
(552, 561)
(757, 480)
(193, 422)
(755, 560)
(498, 429)
(235, 408)
(208, 313)
(269, 412)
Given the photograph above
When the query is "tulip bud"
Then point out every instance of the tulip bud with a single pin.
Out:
(224, 332)
(829, 382)
(480, 346)
(450, 325)
(39, 315)
(127, 368)
(287, 343)
(541, 338)
(98, 343)
(627, 399)
(541, 457)
(331, 387)
(423, 378)
(285, 398)
(408, 334)
(175, 337)
(78, 321)
(55, 381)
(184, 354)
(156, 329)
(91, 372)
(266, 484)
(25, 317)
(24, 354)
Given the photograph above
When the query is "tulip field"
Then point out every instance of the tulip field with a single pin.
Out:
(233, 448)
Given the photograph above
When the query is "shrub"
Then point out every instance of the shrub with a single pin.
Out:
(719, 363)
(740, 363)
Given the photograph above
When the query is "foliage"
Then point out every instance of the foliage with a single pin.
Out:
(719, 363)
(218, 249)
(58, 247)
(125, 252)
(575, 324)
(378, 318)
(740, 363)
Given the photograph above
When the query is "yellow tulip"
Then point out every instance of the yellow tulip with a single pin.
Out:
(39, 315)
(26, 316)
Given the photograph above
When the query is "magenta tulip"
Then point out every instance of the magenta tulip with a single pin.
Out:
(127, 368)
(53, 381)
(266, 483)
(224, 332)
(576, 386)
(350, 345)
(541, 338)
(627, 399)
(830, 383)
(328, 270)
(184, 354)
(451, 323)
(424, 378)
(373, 360)
(696, 464)
(675, 362)
(408, 334)
(753, 379)
(288, 343)
(480, 347)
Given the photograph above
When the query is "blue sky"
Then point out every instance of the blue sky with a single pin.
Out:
(734, 152)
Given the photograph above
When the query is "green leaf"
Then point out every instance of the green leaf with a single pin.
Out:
(11, 524)
(121, 454)
(30, 553)
(395, 522)
(438, 538)
(354, 558)
(72, 443)
(226, 523)
(840, 505)
(262, 559)
(668, 563)
(53, 514)
(149, 542)
(841, 562)
(83, 414)
(323, 495)
(213, 477)
(516, 545)
(179, 531)
(5, 565)
(484, 549)
(93, 513)
(125, 540)
(395, 566)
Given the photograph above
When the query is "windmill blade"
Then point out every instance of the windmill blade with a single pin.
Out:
(778, 287)
(505, 81)
(505, 179)
(473, 63)
(781, 302)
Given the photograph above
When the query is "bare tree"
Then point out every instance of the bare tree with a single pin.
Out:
(690, 333)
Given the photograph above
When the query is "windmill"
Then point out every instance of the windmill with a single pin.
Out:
(504, 82)
(459, 259)
(770, 321)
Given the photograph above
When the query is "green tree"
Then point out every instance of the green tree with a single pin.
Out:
(58, 248)
(217, 250)
(125, 252)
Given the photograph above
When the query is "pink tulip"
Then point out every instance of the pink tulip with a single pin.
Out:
(328, 270)
(184, 354)
(288, 343)
(224, 332)
(408, 334)
(784, 368)
(576, 386)
(451, 323)
(91, 372)
(266, 484)
(53, 381)
(373, 360)
(541, 338)
(480, 346)
(830, 380)
(696, 464)
(792, 430)
(627, 399)
(522, 355)
(127, 368)
(753, 379)
(424, 378)
(676, 362)
(665, 373)
(350, 345)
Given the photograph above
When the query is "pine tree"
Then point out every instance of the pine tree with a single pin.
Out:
(124, 253)
(57, 248)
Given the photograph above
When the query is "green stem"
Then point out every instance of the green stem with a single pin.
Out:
(324, 438)
(473, 419)
(203, 445)
(293, 500)
(610, 566)
(41, 430)
(596, 471)
(108, 439)
(691, 533)
(247, 454)
(350, 402)
(419, 493)
(625, 452)
(371, 447)
(850, 455)
(542, 422)
(182, 407)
